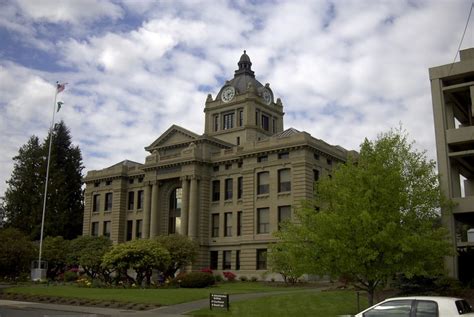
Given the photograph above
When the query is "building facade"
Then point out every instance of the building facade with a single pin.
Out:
(228, 189)
(452, 89)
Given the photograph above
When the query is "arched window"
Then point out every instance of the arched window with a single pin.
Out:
(174, 224)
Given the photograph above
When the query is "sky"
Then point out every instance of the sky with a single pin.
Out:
(345, 70)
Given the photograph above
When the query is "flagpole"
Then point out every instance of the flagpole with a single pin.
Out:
(47, 178)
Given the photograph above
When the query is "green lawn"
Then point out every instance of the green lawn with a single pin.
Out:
(314, 304)
(169, 296)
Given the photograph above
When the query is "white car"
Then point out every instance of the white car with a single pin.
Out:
(419, 306)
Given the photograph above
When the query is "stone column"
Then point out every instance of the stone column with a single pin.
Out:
(154, 211)
(193, 208)
(146, 213)
(185, 206)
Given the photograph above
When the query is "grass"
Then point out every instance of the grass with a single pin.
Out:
(314, 304)
(167, 296)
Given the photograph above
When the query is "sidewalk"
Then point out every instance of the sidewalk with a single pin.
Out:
(166, 311)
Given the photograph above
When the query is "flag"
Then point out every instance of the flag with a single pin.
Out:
(60, 103)
(60, 87)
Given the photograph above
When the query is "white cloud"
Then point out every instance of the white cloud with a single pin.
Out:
(75, 12)
(344, 71)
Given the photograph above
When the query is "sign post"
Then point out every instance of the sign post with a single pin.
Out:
(219, 301)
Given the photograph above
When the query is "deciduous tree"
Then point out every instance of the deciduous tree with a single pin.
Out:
(16, 253)
(143, 256)
(182, 252)
(377, 217)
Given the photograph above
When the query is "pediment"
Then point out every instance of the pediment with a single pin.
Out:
(174, 135)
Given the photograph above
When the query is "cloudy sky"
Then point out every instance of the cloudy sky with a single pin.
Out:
(344, 69)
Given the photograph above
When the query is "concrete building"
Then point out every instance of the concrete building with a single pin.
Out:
(228, 188)
(452, 89)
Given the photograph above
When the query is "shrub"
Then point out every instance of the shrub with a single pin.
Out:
(70, 276)
(433, 285)
(206, 270)
(243, 278)
(197, 280)
(253, 279)
(229, 276)
(218, 278)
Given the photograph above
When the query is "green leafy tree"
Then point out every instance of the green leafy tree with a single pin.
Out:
(377, 217)
(16, 253)
(182, 252)
(23, 201)
(55, 251)
(143, 256)
(87, 252)
(284, 260)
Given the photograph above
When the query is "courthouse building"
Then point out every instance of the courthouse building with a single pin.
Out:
(228, 189)
(452, 90)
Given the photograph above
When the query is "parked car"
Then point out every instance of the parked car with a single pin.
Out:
(419, 306)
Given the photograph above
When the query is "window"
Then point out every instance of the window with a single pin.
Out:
(237, 140)
(265, 122)
(262, 158)
(239, 223)
(261, 259)
(274, 125)
(257, 114)
(216, 123)
(263, 220)
(96, 184)
(263, 185)
(107, 229)
(140, 199)
(283, 156)
(315, 175)
(226, 260)
(426, 309)
(129, 230)
(228, 188)
(215, 168)
(228, 121)
(214, 259)
(316, 156)
(240, 187)
(95, 229)
(284, 180)
(399, 308)
(174, 220)
(215, 225)
(216, 190)
(108, 202)
(228, 166)
(131, 200)
(96, 203)
(463, 307)
(138, 229)
(107, 183)
(284, 214)
(237, 260)
(228, 224)
(239, 165)
(140, 179)
(329, 161)
(241, 118)
(130, 180)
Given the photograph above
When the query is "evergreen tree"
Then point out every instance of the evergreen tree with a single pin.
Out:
(23, 200)
(23, 197)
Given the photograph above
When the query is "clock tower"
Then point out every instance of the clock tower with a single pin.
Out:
(244, 110)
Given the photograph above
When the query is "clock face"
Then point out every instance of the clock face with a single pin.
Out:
(267, 96)
(228, 94)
